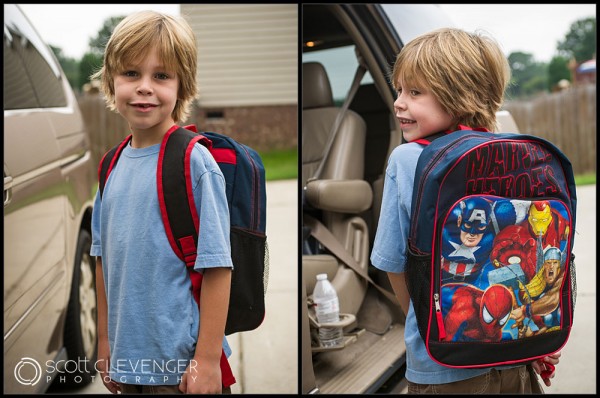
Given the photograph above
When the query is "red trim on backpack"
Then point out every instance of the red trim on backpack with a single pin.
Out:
(224, 155)
(425, 141)
(189, 250)
(422, 141)
(161, 193)
(191, 127)
(227, 378)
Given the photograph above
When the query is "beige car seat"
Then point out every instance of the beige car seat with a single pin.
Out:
(340, 192)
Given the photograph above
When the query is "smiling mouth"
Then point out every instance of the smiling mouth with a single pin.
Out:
(405, 121)
(143, 105)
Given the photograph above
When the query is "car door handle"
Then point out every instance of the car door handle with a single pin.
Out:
(8, 181)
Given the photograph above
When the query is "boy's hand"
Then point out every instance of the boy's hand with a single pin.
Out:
(103, 366)
(201, 377)
(545, 367)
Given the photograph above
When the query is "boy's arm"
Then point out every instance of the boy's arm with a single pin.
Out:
(204, 373)
(398, 282)
(103, 364)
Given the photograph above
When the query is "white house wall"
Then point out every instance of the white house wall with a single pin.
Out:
(248, 53)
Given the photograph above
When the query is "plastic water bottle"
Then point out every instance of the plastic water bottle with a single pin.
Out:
(328, 310)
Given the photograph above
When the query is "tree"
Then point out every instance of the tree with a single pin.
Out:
(92, 60)
(90, 63)
(69, 65)
(580, 41)
(98, 43)
(528, 76)
(558, 70)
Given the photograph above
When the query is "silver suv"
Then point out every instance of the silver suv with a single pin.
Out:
(49, 182)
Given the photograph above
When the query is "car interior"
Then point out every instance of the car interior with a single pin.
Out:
(342, 180)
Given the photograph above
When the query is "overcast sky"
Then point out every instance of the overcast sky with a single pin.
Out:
(531, 28)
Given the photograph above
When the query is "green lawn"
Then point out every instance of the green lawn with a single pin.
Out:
(280, 164)
(585, 179)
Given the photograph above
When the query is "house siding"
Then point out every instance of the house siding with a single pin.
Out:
(247, 71)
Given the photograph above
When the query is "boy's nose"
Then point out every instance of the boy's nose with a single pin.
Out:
(399, 103)
(144, 87)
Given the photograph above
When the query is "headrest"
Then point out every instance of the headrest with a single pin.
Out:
(316, 89)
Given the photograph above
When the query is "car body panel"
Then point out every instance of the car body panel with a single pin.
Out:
(48, 191)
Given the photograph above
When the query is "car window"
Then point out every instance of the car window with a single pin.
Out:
(31, 72)
(340, 64)
(18, 92)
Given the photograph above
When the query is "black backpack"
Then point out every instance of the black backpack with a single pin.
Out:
(490, 270)
(246, 195)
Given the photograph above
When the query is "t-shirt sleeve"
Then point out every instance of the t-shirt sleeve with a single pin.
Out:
(390, 245)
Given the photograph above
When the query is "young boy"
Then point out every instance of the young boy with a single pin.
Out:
(444, 79)
(152, 337)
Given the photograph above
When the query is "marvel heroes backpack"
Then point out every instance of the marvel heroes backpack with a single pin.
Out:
(490, 270)
(244, 175)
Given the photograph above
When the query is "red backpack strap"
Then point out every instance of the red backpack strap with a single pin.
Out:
(108, 163)
(430, 138)
(175, 194)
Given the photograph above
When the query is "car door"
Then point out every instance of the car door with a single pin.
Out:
(35, 269)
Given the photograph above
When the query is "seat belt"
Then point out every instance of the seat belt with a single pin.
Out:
(327, 239)
(360, 71)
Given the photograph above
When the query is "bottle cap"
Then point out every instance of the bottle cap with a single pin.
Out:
(321, 277)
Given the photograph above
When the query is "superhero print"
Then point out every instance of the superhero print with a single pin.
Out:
(502, 267)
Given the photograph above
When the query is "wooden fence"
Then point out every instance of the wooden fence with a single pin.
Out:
(567, 119)
(106, 128)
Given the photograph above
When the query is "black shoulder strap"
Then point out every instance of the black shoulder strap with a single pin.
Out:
(175, 192)
(108, 163)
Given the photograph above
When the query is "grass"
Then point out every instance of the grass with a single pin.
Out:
(280, 164)
(585, 179)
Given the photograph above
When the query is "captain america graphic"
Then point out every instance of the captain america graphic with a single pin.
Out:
(468, 237)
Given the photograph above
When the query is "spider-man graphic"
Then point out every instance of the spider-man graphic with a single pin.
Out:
(474, 314)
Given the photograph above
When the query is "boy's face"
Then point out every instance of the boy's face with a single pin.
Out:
(146, 94)
(419, 112)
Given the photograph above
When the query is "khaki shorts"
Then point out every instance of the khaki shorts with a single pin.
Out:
(519, 380)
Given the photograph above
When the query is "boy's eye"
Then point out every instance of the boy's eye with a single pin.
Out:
(414, 92)
(162, 76)
(130, 73)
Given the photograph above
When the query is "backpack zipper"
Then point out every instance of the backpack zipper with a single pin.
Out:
(439, 317)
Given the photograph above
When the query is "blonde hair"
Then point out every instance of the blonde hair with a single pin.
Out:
(132, 39)
(466, 72)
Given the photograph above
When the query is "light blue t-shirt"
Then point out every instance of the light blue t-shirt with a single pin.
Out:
(389, 255)
(153, 319)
